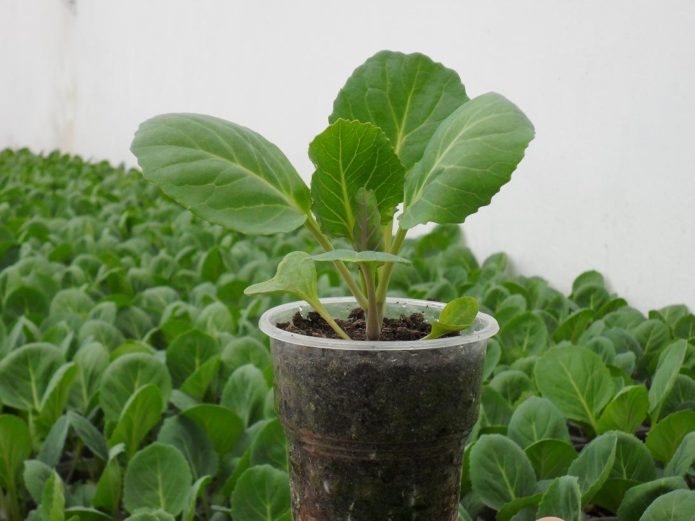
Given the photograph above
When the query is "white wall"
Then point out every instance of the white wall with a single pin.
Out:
(609, 182)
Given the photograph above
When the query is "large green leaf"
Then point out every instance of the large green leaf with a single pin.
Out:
(684, 457)
(15, 447)
(536, 419)
(577, 382)
(550, 457)
(52, 506)
(666, 374)
(56, 396)
(223, 426)
(262, 494)
(191, 439)
(471, 155)
(594, 465)
(639, 497)
(25, 374)
(562, 499)
(406, 95)
(678, 505)
(626, 411)
(244, 393)
(188, 352)
(502, 472)
(665, 437)
(222, 172)
(270, 447)
(140, 414)
(350, 155)
(157, 477)
(125, 376)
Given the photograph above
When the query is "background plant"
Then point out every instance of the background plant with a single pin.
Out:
(403, 130)
(148, 367)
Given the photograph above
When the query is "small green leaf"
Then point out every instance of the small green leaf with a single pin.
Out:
(367, 232)
(223, 426)
(125, 376)
(89, 434)
(684, 457)
(550, 457)
(196, 385)
(25, 374)
(52, 506)
(406, 95)
(639, 497)
(577, 382)
(594, 464)
(35, 476)
(270, 447)
(198, 488)
(536, 419)
(562, 499)
(92, 360)
(109, 487)
(140, 415)
(358, 256)
(157, 477)
(470, 156)
(502, 473)
(15, 447)
(52, 449)
(350, 155)
(666, 374)
(245, 393)
(222, 172)
(193, 442)
(457, 315)
(151, 515)
(526, 334)
(56, 396)
(188, 352)
(261, 494)
(665, 437)
(242, 351)
(296, 275)
(678, 505)
(626, 411)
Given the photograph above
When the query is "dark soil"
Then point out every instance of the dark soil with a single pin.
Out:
(376, 435)
(406, 327)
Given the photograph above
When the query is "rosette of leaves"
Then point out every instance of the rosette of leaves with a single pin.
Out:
(403, 131)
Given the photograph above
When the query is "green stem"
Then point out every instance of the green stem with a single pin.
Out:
(316, 304)
(373, 321)
(386, 273)
(313, 227)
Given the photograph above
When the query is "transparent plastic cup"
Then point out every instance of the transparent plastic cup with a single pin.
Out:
(376, 429)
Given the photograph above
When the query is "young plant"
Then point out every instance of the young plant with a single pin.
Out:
(402, 131)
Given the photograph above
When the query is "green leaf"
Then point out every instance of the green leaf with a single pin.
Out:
(509, 510)
(653, 336)
(52, 506)
(197, 384)
(526, 334)
(678, 505)
(89, 434)
(503, 473)
(470, 156)
(573, 326)
(358, 256)
(350, 155)
(536, 419)
(198, 488)
(550, 457)
(140, 415)
(684, 457)
(79, 513)
(15, 447)
(261, 494)
(562, 499)
(151, 515)
(367, 234)
(666, 374)
(188, 352)
(157, 477)
(512, 384)
(223, 426)
(245, 393)
(457, 315)
(588, 278)
(270, 447)
(25, 374)
(222, 172)
(109, 487)
(626, 411)
(191, 439)
(665, 437)
(577, 382)
(296, 275)
(406, 95)
(25, 301)
(92, 360)
(35, 476)
(685, 327)
(594, 464)
(125, 376)
(52, 449)
(495, 409)
(56, 396)
(242, 351)
(638, 498)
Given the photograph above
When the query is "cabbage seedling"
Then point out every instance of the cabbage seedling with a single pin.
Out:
(403, 132)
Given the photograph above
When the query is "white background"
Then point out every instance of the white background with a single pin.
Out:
(609, 182)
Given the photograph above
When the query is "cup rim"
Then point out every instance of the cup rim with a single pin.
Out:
(487, 328)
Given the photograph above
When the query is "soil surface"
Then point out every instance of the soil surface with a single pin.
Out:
(406, 327)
